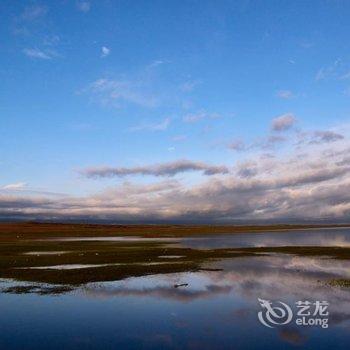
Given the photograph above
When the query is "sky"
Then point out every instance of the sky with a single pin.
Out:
(175, 111)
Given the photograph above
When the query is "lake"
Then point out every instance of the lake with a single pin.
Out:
(215, 306)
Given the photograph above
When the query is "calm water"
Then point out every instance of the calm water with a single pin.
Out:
(322, 237)
(216, 310)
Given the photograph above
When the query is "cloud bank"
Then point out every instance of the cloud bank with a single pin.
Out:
(307, 181)
(310, 186)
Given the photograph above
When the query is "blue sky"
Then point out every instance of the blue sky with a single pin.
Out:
(93, 87)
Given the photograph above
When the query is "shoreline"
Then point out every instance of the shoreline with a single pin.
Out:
(33, 230)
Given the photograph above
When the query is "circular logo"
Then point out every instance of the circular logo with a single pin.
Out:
(273, 315)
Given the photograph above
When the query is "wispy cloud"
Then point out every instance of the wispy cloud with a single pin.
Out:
(15, 186)
(33, 12)
(160, 126)
(283, 122)
(328, 71)
(115, 92)
(39, 54)
(36, 29)
(105, 51)
(237, 145)
(163, 169)
(155, 63)
(321, 137)
(196, 117)
(270, 142)
(265, 143)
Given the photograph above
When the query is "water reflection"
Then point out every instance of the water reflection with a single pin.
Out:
(213, 308)
(325, 238)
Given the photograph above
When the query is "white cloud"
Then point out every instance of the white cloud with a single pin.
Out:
(15, 186)
(105, 51)
(156, 63)
(39, 54)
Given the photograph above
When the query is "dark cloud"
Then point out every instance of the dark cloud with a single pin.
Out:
(283, 122)
(326, 137)
(247, 170)
(165, 169)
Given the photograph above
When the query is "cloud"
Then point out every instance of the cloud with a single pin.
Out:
(285, 94)
(15, 186)
(39, 54)
(163, 169)
(272, 140)
(155, 63)
(105, 51)
(308, 184)
(326, 137)
(83, 6)
(161, 126)
(268, 142)
(319, 137)
(283, 122)
(237, 145)
(247, 169)
(195, 117)
(329, 71)
(34, 12)
(116, 92)
(290, 190)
